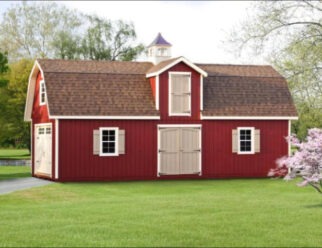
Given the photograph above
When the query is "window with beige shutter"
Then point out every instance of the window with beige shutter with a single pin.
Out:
(179, 94)
(245, 140)
(108, 141)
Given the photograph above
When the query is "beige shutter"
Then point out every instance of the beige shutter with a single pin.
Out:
(257, 140)
(121, 141)
(180, 90)
(96, 142)
(234, 140)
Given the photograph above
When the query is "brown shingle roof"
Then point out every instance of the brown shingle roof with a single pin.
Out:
(161, 65)
(247, 96)
(89, 66)
(94, 88)
(239, 70)
(121, 89)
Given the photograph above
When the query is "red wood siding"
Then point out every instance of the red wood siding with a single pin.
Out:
(77, 162)
(40, 115)
(195, 93)
(153, 85)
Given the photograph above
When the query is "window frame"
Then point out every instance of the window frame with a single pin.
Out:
(170, 93)
(252, 141)
(42, 83)
(116, 129)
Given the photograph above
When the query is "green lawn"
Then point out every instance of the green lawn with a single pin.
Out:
(8, 172)
(258, 212)
(7, 154)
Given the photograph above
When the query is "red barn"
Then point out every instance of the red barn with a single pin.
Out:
(164, 119)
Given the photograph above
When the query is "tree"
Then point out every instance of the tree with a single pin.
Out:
(30, 30)
(14, 131)
(305, 162)
(290, 34)
(105, 40)
(3, 94)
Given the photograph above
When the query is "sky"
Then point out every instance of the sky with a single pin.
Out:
(196, 29)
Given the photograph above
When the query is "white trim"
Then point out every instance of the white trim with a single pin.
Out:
(101, 117)
(170, 93)
(181, 59)
(41, 103)
(252, 140)
(249, 117)
(178, 125)
(31, 90)
(31, 147)
(201, 92)
(43, 124)
(289, 134)
(56, 148)
(157, 92)
(116, 153)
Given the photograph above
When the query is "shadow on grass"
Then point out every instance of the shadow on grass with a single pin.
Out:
(14, 175)
(314, 206)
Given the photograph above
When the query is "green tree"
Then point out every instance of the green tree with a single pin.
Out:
(105, 40)
(29, 30)
(3, 95)
(290, 35)
(14, 131)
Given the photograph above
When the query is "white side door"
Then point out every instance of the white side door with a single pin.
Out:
(43, 149)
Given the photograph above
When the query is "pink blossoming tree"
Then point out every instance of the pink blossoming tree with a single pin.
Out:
(306, 162)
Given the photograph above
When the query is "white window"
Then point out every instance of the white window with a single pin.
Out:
(42, 93)
(162, 51)
(109, 141)
(246, 140)
(179, 93)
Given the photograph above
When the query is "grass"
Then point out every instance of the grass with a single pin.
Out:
(8, 154)
(8, 172)
(252, 213)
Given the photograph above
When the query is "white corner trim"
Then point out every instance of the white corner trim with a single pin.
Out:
(101, 117)
(157, 105)
(201, 92)
(181, 59)
(249, 117)
(289, 134)
(252, 140)
(56, 148)
(116, 153)
(170, 93)
(31, 147)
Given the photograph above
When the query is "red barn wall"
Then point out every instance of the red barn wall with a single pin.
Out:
(195, 93)
(39, 115)
(77, 162)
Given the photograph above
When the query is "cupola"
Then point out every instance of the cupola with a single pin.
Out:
(159, 50)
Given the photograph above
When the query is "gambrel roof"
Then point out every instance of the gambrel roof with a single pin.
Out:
(110, 88)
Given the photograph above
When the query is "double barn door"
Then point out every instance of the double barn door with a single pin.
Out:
(179, 150)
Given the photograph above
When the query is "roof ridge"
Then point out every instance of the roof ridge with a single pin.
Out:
(103, 61)
(231, 64)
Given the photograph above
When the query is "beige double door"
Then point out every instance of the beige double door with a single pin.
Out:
(43, 149)
(179, 150)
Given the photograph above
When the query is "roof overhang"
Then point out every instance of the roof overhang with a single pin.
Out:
(177, 61)
(249, 117)
(31, 90)
(108, 117)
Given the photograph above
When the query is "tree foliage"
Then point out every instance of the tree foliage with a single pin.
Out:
(305, 162)
(290, 35)
(50, 30)
(14, 131)
(30, 30)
